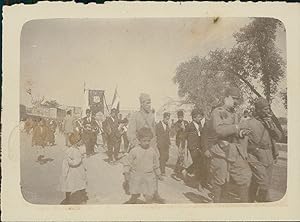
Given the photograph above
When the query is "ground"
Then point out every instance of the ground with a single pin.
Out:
(40, 182)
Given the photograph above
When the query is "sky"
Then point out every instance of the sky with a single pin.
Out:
(136, 55)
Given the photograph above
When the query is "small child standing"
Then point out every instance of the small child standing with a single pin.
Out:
(74, 172)
(141, 170)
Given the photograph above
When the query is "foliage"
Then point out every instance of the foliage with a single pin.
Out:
(260, 54)
(253, 60)
(284, 97)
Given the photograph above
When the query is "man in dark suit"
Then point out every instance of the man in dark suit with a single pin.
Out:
(180, 127)
(113, 135)
(162, 131)
(90, 130)
(194, 144)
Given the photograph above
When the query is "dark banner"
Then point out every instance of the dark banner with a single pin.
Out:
(96, 100)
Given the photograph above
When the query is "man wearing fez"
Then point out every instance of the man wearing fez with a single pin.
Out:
(262, 152)
(143, 118)
(163, 141)
(90, 130)
(228, 157)
(180, 126)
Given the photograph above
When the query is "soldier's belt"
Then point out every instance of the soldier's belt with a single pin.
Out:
(266, 147)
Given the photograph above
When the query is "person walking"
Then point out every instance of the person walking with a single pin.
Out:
(74, 173)
(113, 135)
(90, 130)
(228, 157)
(262, 150)
(180, 127)
(39, 136)
(163, 141)
(68, 126)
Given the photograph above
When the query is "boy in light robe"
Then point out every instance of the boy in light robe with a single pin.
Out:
(141, 170)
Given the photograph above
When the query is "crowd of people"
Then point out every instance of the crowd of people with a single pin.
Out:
(225, 155)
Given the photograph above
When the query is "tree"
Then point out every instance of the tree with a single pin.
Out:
(200, 79)
(262, 61)
(253, 61)
(283, 95)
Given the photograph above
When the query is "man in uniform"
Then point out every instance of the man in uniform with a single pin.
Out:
(228, 158)
(143, 118)
(262, 152)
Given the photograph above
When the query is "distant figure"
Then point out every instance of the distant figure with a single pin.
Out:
(90, 130)
(68, 126)
(28, 126)
(163, 141)
(74, 173)
(113, 135)
(39, 136)
(51, 128)
(141, 171)
(124, 127)
(120, 117)
(180, 127)
(172, 129)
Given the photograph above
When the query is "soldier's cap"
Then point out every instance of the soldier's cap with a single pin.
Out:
(261, 103)
(144, 97)
(233, 92)
(74, 138)
(180, 113)
(166, 114)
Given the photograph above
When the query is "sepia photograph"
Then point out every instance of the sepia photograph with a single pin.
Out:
(181, 110)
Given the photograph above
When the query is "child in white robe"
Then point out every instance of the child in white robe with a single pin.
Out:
(74, 172)
(141, 169)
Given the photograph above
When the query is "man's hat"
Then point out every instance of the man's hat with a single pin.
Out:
(233, 91)
(261, 103)
(144, 97)
(166, 114)
(180, 113)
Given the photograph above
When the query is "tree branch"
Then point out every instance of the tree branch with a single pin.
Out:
(248, 84)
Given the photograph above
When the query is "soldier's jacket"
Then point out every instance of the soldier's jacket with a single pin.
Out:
(259, 142)
(223, 134)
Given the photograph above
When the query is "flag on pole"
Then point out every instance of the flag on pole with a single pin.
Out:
(95, 100)
(116, 100)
